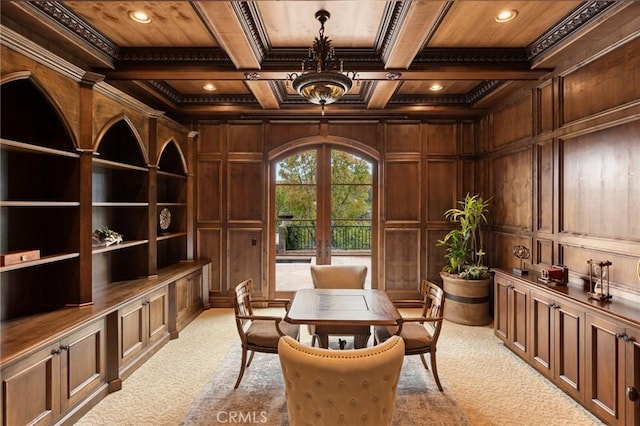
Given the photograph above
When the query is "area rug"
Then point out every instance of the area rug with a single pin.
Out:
(260, 397)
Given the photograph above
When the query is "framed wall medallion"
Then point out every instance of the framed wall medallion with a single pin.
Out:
(165, 219)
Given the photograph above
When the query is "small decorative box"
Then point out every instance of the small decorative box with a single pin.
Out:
(14, 257)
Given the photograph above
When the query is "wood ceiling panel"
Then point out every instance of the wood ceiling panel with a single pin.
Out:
(449, 87)
(353, 24)
(472, 24)
(173, 23)
(195, 87)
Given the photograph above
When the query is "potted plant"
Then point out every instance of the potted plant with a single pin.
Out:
(466, 280)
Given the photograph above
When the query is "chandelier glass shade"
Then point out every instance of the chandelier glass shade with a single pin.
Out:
(322, 80)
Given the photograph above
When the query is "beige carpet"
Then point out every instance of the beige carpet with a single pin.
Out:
(260, 396)
(491, 385)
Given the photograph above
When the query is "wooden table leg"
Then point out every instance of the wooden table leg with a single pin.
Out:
(323, 340)
(360, 341)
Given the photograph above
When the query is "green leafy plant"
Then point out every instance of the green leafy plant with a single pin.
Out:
(464, 244)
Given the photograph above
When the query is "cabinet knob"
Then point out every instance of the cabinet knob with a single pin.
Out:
(632, 393)
(55, 352)
(64, 347)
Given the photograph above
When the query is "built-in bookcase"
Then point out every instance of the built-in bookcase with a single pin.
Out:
(120, 188)
(172, 196)
(45, 192)
(39, 202)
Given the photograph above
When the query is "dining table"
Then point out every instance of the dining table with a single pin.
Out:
(357, 308)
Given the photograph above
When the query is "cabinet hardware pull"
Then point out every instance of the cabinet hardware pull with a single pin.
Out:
(64, 347)
(632, 393)
(55, 352)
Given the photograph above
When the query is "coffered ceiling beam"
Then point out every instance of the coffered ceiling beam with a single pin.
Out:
(382, 92)
(263, 92)
(426, 72)
(221, 19)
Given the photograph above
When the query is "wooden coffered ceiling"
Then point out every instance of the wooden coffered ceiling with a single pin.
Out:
(248, 50)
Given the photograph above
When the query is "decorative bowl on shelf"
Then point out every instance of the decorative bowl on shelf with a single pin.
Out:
(104, 237)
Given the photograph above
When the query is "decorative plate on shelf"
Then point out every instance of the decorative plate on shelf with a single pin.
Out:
(165, 219)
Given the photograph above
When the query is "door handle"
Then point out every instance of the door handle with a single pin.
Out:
(632, 393)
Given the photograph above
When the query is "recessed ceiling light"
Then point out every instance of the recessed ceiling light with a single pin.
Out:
(436, 87)
(139, 16)
(209, 86)
(506, 15)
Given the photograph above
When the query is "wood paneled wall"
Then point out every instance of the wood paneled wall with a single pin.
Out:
(564, 170)
(424, 167)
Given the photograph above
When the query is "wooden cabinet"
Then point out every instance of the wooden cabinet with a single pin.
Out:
(188, 299)
(511, 319)
(612, 373)
(46, 384)
(143, 324)
(557, 346)
(589, 349)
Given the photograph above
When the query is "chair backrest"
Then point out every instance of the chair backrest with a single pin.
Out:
(338, 276)
(432, 307)
(242, 305)
(329, 387)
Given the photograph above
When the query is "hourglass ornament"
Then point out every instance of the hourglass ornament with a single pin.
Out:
(599, 279)
(521, 252)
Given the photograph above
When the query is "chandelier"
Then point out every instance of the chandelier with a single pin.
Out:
(322, 80)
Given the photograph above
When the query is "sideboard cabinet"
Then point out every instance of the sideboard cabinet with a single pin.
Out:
(589, 349)
(42, 385)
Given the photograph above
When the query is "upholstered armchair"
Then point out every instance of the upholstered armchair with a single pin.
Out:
(352, 387)
(339, 276)
(420, 334)
(258, 333)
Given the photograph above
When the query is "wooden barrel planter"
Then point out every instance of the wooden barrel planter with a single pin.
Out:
(467, 302)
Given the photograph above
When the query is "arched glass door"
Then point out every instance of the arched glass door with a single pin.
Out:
(323, 201)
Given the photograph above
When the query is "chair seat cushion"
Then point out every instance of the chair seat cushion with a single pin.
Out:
(415, 335)
(264, 333)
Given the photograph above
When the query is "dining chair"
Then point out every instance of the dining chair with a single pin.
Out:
(258, 333)
(326, 387)
(420, 334)
(345, 277)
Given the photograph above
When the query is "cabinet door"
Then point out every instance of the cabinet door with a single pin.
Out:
(31, 389)
(605, 354)
(157, 306)
(519, 303)
(132, 331)
(195, 291)
(541, 345)
(83, 363)
(631, 384)
(568, 331)
(182, 296)
(501, 309)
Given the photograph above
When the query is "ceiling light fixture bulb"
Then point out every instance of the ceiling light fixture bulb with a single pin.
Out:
(140, 16)
(209, 87)
(436, 87)
(506, 15)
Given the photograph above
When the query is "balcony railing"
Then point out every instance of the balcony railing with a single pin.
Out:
(343, 237)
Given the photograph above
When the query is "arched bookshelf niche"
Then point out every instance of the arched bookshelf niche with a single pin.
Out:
(171, 206)
(120, 194)
(39, 203)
